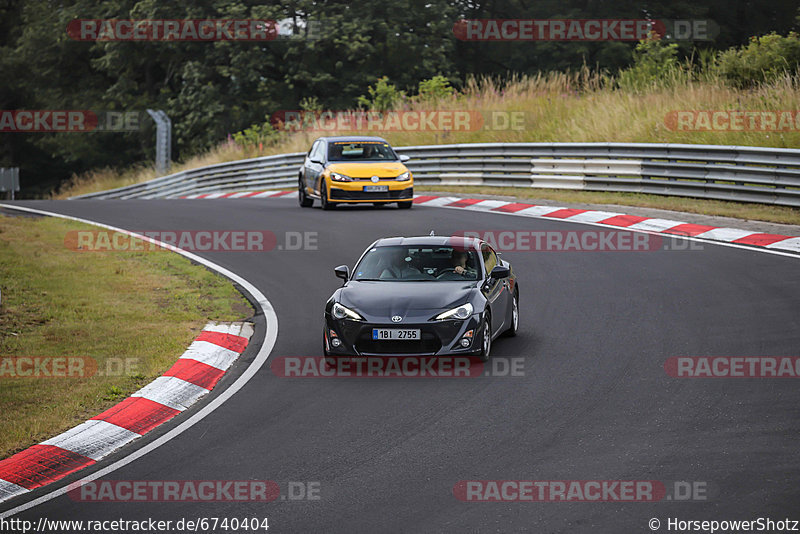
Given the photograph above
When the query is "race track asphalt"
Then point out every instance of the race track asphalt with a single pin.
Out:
(594, 401)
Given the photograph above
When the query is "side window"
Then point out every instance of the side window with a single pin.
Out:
(489, 258)
(319, 152)
(313, 148)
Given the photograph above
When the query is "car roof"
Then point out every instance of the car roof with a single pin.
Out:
(340, 138)
(434, 240)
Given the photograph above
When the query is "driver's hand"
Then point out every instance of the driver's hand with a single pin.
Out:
(459, 269)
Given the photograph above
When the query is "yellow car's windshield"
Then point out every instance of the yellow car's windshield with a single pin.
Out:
(361, 151)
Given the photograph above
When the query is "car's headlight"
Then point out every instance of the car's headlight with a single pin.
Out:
(403, 177)
(462, 312)
(342, 312)
(336, 177)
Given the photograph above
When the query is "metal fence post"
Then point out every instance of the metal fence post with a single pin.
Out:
(163, 140)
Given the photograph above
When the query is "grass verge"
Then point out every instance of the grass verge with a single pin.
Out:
(133, 313)
(719, 208)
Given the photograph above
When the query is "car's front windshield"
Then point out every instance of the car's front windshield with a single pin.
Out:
(418, 263)
(360, 151)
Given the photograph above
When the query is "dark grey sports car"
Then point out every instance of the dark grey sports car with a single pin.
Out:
(425, 296)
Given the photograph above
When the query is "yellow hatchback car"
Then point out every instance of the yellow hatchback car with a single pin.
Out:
(354, 170)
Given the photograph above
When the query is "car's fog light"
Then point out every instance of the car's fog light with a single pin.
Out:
(335, 342)
(464, 342)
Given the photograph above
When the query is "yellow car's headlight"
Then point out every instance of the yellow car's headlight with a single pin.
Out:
(403, 177)
(337, 177)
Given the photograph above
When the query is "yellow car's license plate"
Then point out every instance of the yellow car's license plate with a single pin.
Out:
(376, 188)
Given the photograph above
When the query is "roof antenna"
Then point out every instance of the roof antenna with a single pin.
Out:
(430, 234)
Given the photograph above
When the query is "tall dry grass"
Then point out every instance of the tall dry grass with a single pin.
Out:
(582, 106)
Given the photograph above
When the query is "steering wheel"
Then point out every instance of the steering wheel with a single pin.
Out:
(447, 271)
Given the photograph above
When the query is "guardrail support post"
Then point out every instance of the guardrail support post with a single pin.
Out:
(163, 140)
(9, 180)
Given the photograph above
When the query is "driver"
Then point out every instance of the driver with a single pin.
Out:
(459, 260)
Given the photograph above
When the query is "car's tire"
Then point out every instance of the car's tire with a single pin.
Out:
(512, 330)
(405, 205)
(304, 200)
(486, 339)
(323, 193)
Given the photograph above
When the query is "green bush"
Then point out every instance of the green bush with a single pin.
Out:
(434, 89)
(383, 97)
(654, 63)
(257, 135)
(763, 59)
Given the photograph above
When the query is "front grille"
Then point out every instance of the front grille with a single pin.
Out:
(428, 344)
(400, 194)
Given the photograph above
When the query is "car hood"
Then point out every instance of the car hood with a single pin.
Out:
(383, 169)
(385, 299)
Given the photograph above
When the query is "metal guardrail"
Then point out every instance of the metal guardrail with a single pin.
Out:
(9, 180)
(737, 173)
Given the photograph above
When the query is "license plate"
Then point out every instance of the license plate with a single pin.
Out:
(376, 188)
(386, 334)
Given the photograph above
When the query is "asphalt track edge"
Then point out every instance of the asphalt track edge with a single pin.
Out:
(264, 306)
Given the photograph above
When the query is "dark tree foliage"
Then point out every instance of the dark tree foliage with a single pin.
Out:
(211, 89)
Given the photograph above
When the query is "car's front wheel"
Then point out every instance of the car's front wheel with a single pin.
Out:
(304, 200)
(323, 193)
(486, 339)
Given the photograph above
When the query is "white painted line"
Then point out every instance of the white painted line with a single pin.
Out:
(93, 439)
(530, 212)
(171, 391)
(210, 354)
(237, 195)
(265, 194)
(270, 337)
(725, 234)
(214, 195)
(792, 244)
(9, 489)
(654, 225)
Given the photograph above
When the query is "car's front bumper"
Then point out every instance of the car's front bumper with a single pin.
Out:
(438, 338)
(354, 192)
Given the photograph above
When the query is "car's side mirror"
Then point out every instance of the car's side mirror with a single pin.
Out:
(404, 158)
(500, 271)
(342, 272)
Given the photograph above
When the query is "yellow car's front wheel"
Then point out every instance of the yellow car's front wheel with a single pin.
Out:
(323, 193)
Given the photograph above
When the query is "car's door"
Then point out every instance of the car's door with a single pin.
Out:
(306, 174)
(495, 290)
(316, 164)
